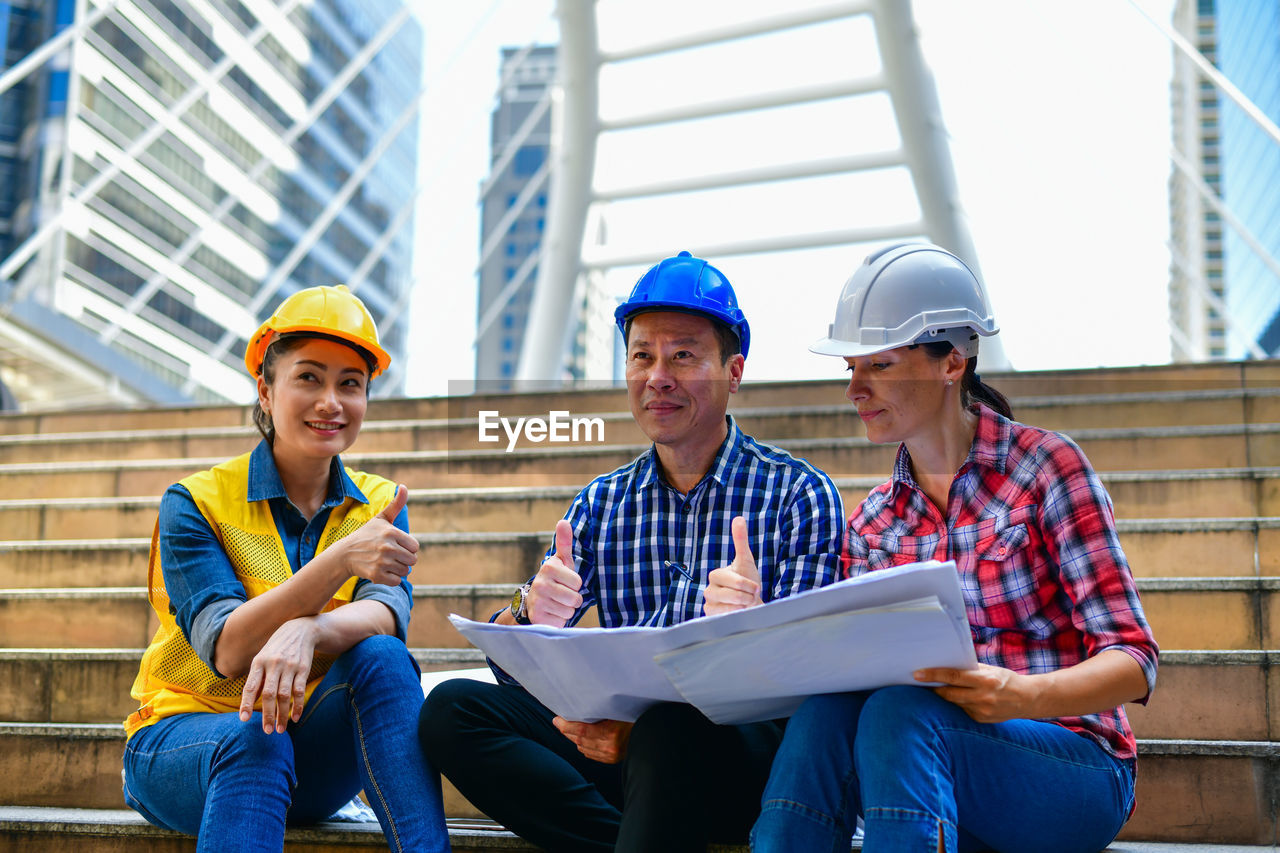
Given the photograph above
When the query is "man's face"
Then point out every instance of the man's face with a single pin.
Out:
(678, 388)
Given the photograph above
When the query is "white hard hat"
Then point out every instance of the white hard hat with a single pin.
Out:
(909, 293)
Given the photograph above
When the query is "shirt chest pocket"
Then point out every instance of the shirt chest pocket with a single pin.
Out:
(1001, 574)
(885, 550)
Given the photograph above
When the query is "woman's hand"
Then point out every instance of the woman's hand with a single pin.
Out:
(988, 694)
(278, 675)
(380, 551)
(991, 694)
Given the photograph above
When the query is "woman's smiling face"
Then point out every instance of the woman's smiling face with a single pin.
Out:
(317, 399)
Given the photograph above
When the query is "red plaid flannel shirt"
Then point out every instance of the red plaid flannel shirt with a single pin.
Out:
(1032, 533)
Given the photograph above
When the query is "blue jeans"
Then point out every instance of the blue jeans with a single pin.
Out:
(233, 786)
(917, 767)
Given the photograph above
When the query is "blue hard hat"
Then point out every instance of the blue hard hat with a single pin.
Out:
(689, 285)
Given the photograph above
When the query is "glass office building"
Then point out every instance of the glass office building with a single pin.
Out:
(178, 167)
(513, 211)
(1224, 294)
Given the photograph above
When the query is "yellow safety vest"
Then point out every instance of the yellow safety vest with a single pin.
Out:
(172, 678)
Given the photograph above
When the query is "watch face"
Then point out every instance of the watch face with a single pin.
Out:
(518, 605)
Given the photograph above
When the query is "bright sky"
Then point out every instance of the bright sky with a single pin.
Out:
(1058, 117)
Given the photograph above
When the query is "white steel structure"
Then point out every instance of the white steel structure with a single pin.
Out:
(189, 164)
(570, 265)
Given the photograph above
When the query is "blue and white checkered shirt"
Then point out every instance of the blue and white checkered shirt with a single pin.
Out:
(644, 550)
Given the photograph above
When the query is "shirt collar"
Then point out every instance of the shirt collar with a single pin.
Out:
(990, 446)
(649, 473)
(265, 482)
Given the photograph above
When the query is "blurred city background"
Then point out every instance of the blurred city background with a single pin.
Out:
(491, 177)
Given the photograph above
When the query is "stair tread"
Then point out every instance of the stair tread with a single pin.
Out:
(127, 822)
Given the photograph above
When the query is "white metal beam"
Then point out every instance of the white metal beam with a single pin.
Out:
(750, 103)
(759, 175)
(759, 245)
(745, 29)
(574, 128)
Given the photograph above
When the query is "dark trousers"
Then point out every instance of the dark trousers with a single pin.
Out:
(685, 781)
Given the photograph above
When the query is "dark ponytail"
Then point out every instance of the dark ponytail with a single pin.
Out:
(972, 388)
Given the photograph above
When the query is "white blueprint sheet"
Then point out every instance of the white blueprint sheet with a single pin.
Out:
(748, 665)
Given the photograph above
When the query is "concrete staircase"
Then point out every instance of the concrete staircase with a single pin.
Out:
(1190, 454)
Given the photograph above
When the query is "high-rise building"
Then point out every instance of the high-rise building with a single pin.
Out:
(513, 210)
(1224, 292)
(177, 167)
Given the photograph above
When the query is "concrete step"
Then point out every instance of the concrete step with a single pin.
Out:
(1219, 613)
(92, 685)
(53, 830)
(120, 617)
(1221, 493)
(1206, 792)
(773, 423)
(1205, 694)
(1019, 385)
(1159, 547)
(1148, 449)
(1212, 694)
(1189, 791)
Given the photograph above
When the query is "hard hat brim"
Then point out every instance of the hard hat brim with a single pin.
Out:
(848, 349)
(258, 348)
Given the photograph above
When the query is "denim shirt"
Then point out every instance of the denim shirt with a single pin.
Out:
(199, 578)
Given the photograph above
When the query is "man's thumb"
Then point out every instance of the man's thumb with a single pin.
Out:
(743, 561)
(564, 543)
(397, 503)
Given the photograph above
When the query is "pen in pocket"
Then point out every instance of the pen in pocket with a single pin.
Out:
(679, 568)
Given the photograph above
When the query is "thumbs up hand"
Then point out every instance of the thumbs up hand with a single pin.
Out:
(379, 550)
(554, 595)
(737, 585)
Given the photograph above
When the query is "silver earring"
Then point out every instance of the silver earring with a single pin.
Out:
(949, 383)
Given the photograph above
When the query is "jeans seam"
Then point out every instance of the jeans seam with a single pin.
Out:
(377, 789)
(315, 701)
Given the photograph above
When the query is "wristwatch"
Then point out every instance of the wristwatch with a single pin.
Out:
(520, 605)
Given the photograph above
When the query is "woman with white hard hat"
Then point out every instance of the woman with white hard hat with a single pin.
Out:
(1031, 750)
(278, 684)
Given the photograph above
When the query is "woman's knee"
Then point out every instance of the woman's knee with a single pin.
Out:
(381, 659)
(898, 718)
(248, 749)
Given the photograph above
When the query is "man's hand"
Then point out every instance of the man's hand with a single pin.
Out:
(605, 741)
(379, 550)
(737, 585)
(278, 675)
(554, 595)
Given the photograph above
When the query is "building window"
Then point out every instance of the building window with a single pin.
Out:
(529, 160)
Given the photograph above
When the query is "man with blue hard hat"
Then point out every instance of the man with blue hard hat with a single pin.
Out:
(707, 520)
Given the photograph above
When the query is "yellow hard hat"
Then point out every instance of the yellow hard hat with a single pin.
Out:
(333, 311)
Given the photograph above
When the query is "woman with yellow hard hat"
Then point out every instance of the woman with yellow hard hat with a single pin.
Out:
(278, 684)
